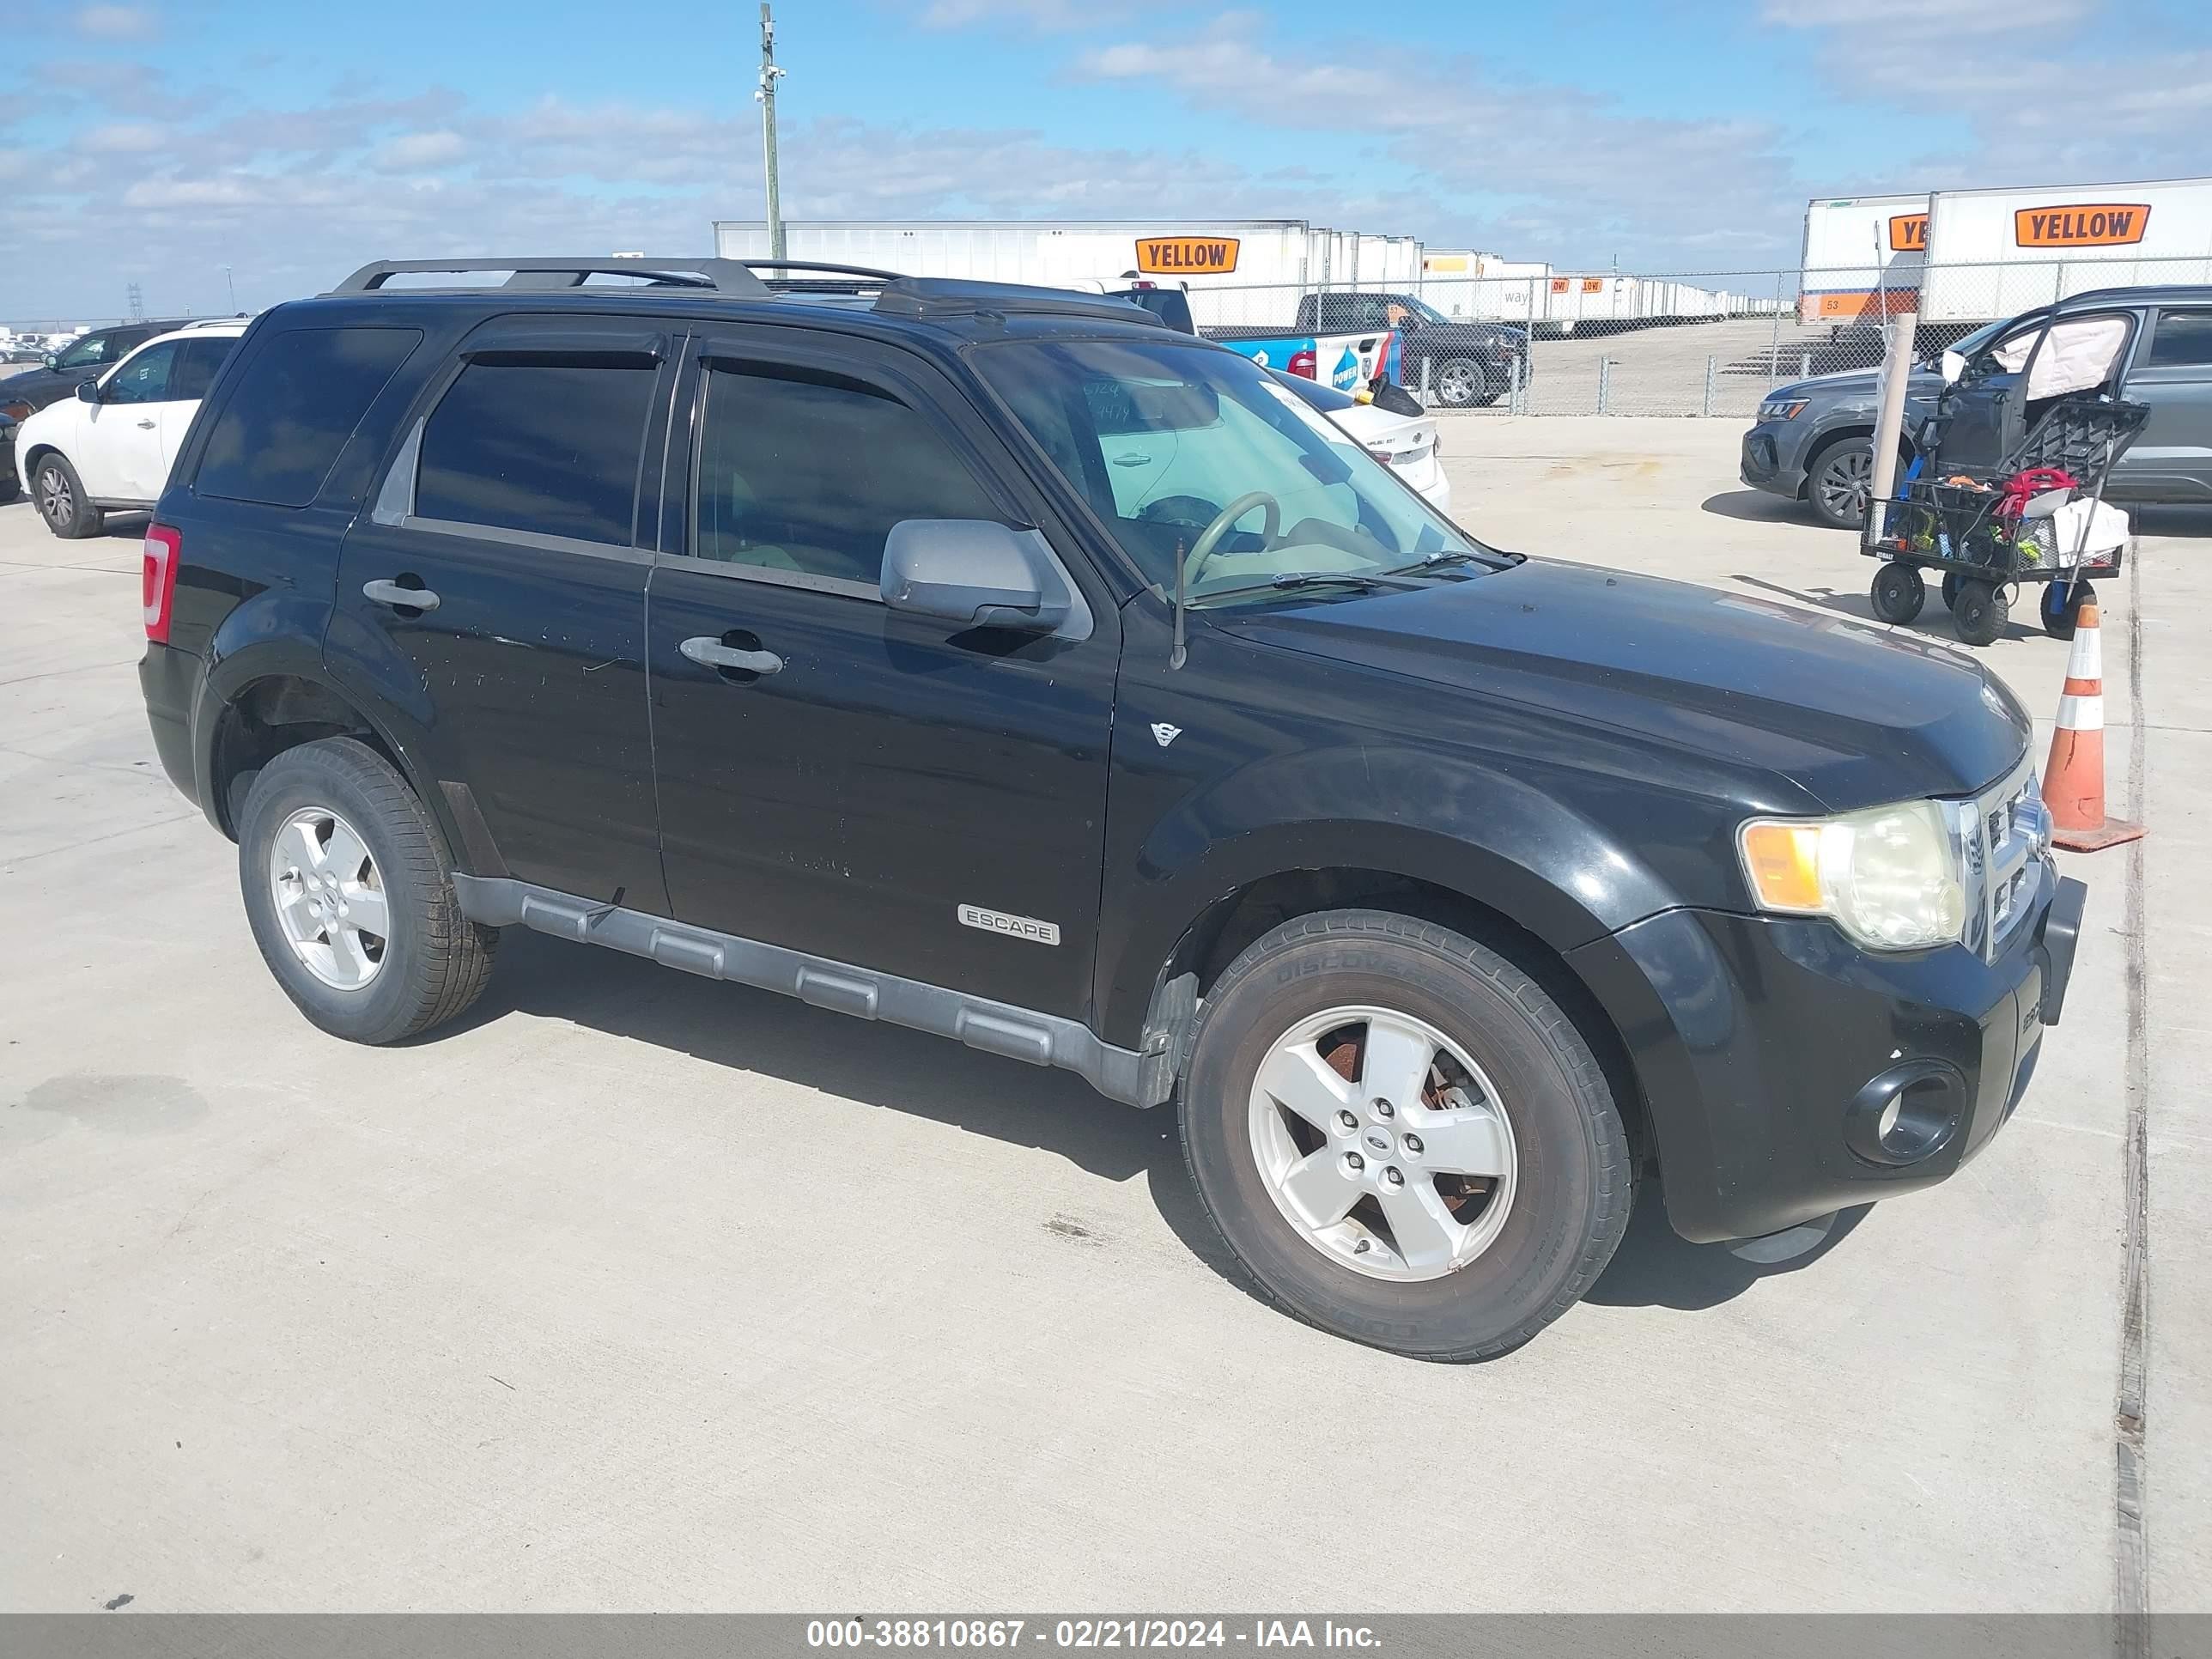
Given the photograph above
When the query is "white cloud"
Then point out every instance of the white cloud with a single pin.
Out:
(122, 138)
(116, 23)
(412, 152)
(1047, 16)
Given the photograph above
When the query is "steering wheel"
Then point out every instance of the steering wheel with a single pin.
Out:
(1202, 551)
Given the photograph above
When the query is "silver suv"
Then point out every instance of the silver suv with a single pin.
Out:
(1813, 440)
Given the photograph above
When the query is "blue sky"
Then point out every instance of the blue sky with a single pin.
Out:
(158, 143)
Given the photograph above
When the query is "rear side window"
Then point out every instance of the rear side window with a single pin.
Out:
(197, 362)
(2184, 340)
(299, 399)
(547, 447)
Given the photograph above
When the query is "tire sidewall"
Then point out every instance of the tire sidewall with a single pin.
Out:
(54, 463)
(1830, 453)
(1502, 1297)
(312, 776)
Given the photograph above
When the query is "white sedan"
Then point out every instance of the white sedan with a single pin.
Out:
(1405, 443)
(110, 447)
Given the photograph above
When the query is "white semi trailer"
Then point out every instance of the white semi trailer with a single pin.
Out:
(1995, 253)
(1860, 253)
(1202, 253)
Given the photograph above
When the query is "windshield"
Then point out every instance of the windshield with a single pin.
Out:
(1162, 440)
(83, 354)
(1428, 311)
(1967, 345)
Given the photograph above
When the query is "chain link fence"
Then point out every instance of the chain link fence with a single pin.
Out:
(1697, 343)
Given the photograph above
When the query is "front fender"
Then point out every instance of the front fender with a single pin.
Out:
(1478, 831)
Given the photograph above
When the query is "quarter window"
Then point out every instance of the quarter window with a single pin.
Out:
(806, 474)
(292, 407)
(2184, 340)
(547, 447)
(196, 361)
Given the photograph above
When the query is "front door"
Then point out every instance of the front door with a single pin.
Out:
(881, 790)
(122, 459)
(513, 508)
(1984, 410)
(2170, 460)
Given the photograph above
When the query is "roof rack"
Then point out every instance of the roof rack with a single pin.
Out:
(869, 272)
(926, 297)
(719, 276)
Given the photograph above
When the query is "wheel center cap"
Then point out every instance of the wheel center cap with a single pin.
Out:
(1379, 1141)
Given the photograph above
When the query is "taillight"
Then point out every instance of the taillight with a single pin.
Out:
(1301, 364)
(157, 579)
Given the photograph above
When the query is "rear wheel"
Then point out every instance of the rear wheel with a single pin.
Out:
(1897, 593)
(350, 892)
(1980, 611)
(59, 494)
(1402, 1137)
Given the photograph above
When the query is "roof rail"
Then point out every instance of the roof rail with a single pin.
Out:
(953, 296)
(719, 276)
(816, 265)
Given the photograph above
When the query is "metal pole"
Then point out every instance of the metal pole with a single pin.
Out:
(1774, 339)
(1513, 401)
(1804, 365)
(232, 286)
(1426, 364)
(1604, 383)
(1712, 367)
(769, 75)
(1889, 419)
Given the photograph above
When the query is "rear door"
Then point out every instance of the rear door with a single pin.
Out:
(190, 375)
(2172, 459)
(512, 509)
(885, 779)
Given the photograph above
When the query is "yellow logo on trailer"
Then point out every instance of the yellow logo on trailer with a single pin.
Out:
(2104, 225)
(1908, 233)
(1181, 256)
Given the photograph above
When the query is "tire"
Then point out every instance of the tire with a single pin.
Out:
(1459, 383)
(1897, 593)
(2059, 620)
(1837, 481)
(429, 965)
(1950, 590)
(1980, 612)
(1535, 1237)
(10, 486)
(58, 494)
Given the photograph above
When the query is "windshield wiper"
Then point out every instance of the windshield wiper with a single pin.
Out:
(1291, 581)
(1436, 562)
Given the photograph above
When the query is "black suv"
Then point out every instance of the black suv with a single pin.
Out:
(1002, 663)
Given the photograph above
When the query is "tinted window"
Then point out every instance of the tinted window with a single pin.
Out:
(808, 474)
(89, 352)
(197, 362)
(542, 446)
(2184, 338)
(289, 413)
(145, 378)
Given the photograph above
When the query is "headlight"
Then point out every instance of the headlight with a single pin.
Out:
(1893, 877)
(1783, 408)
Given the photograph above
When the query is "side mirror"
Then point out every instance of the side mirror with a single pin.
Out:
(52, 360)
(1953, 366)
(87, 392)
(973, 573)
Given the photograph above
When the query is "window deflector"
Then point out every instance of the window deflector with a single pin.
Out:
(396, 500)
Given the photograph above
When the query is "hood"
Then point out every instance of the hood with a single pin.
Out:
(1848, 715)
(1850, 386)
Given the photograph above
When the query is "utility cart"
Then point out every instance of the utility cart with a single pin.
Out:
(2007, 488)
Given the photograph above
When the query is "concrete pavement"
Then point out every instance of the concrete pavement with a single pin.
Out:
(640, 1291)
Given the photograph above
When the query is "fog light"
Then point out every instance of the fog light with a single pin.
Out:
(1907, 1114)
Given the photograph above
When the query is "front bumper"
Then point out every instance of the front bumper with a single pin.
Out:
(1774, 458)
(1769, 1049)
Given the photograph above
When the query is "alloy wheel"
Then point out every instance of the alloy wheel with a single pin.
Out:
(1382, 1142)
(56, 500)
(329, 898)
(1846, 482)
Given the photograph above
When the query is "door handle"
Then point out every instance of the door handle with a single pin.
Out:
(710, 651)
(414, 598)
(149, 425)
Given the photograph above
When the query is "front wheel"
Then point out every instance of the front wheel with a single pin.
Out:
(60, 497)
(2062, 606)
(1839, 481)
(1461, 384)
(1403, 1138)
(349, 893)
(1897, 593)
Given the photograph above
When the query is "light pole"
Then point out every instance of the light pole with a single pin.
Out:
(769, 75)
(232, 286)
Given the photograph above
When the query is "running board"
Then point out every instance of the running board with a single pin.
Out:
(997, 1028)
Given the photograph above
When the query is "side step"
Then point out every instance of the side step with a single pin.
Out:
(996, 1028)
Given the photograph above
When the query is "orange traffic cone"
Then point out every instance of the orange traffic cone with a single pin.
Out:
(2074, 777)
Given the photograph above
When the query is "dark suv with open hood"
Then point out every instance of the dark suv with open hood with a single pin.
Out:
(999, 662)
